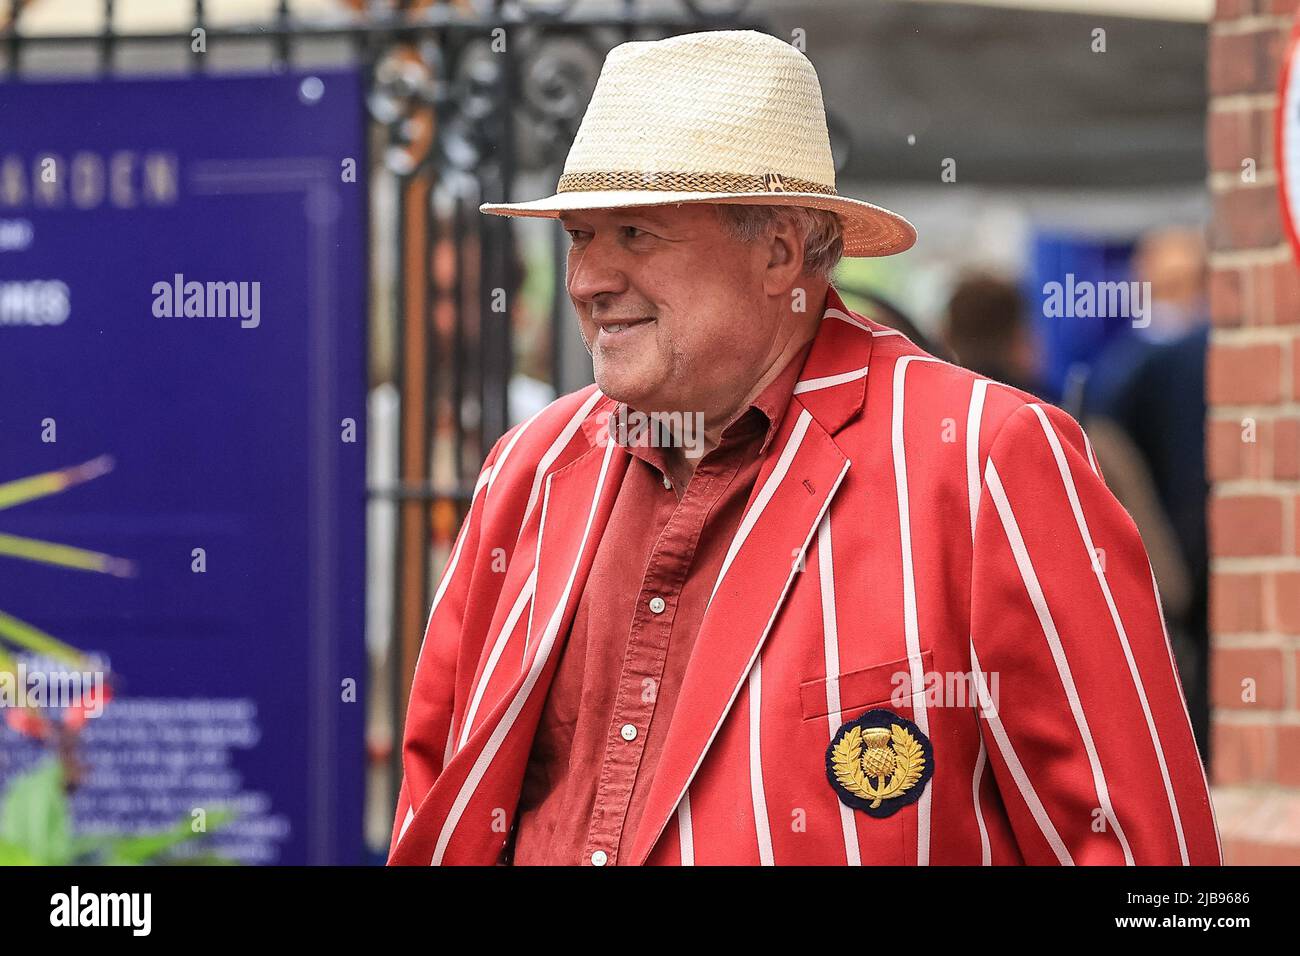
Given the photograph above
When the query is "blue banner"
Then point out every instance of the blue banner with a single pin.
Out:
(182, 471)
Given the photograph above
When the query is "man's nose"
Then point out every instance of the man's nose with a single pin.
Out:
(596, 269)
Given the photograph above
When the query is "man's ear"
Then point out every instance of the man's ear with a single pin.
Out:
(784, 257)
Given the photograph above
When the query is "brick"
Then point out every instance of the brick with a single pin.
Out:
(1236, 603)
(1246, 525)
(1238, 63)
(1284, 602)
(1236, 447)
(1249, 374)
(1226, 297)
(1243, 753)
(1285, 440)
(1279, 7)
(1267, 139)
(1288, 755)
(1233, 665)
(1246, 217)
(1295, 524)
(1272, 53)
(1232, 63)
(1284, 277)
(1234, 135)
(1264, 296)
(1234, 9)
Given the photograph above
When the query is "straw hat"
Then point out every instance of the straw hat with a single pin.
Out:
(732, 116)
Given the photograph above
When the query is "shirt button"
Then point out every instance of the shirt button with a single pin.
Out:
(599, 858)
(668, 483)
(628, 732)
(657, 605)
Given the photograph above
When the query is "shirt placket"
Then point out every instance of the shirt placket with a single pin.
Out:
(647, 652)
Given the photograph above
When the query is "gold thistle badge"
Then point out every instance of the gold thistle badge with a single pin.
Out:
(879, 763)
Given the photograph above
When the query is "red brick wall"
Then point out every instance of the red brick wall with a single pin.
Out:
(1253, 437)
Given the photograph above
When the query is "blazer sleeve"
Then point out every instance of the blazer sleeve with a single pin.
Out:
(1081, 708)
(428, 729)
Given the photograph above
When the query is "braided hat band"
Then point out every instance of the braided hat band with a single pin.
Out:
(689, 182)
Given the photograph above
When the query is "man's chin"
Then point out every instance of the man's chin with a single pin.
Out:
(631, 393)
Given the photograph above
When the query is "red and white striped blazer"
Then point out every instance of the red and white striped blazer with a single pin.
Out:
(914, 526)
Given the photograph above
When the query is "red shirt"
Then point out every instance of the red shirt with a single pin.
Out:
(606, 716)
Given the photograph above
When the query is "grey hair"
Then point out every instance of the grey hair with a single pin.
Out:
(823, 244)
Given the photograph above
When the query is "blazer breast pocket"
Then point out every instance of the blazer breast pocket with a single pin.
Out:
(860, 689)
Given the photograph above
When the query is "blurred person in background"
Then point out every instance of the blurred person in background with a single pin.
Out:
(1143, 405)
(984, 326)
(1150, 388)
(1172, 261)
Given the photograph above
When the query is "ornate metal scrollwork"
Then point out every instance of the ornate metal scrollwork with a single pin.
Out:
(557, 75)
(402, 87)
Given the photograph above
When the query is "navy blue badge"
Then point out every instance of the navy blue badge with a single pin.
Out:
(879, 763)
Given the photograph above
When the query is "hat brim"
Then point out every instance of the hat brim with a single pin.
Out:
(869, 230)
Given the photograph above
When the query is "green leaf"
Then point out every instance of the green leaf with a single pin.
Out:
(34, 816)
(13, 855)
(33, 639)
(142, 848)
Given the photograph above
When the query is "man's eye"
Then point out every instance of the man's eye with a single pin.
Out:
(575, 234)
(632, 232)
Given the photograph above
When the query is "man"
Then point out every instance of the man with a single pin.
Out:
(878, 611)
(985, 328)
(1151, 384)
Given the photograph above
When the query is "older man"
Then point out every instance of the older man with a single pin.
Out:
(837, 602)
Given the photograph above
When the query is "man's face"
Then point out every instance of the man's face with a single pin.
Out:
(672, 309)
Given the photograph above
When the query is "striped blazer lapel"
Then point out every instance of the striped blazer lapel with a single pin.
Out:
(462, 815)
(800, 476)
(575, 509)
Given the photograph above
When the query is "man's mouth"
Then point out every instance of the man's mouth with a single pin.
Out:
(622, 328)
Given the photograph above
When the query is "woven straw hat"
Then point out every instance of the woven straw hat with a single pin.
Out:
(732, 116)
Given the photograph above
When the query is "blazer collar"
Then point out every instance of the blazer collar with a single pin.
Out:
(833, 384)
